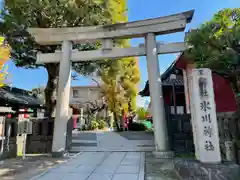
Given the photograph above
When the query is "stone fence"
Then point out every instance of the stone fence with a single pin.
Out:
(229, 135)
(40, 141)
(9, 149)
(181, 136)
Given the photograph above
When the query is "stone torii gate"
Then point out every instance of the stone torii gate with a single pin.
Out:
(148, 29)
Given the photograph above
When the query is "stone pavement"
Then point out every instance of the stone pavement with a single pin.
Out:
(112, 141)
(19, 169)
(159, 169)
(99, 165)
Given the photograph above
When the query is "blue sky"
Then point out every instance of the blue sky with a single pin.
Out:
(137, 10)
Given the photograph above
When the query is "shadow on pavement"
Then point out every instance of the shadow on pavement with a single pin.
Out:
(19, 169)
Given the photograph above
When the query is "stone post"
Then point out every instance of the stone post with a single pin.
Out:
(204, 116)
(157, 102)
(63, 95)
(81, 120)
(192, 109)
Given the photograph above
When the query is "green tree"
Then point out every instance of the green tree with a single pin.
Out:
(18, 15)
(216, 45)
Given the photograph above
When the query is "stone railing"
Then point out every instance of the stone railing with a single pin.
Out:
(40, 141)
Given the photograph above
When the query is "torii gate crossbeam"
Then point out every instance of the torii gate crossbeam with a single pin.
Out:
(145, 28)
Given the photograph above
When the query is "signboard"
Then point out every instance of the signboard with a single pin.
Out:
(204, 116)
(25, 127)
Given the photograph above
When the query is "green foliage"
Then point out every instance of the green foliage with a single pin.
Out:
(18, 15)
(216, 43)
(142, 113)
(93, 125)
(101, 124)
(135, 126)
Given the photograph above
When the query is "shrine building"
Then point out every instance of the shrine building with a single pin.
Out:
(174, 93)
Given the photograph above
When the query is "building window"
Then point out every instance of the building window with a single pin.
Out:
(75, 93)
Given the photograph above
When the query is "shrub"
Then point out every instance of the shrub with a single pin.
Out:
(101, 124)
(93, 125)
(136, 126)
(84, 127)
(142, 113)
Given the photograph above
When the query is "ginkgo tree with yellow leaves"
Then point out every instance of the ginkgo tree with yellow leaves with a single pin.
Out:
(4, 57)
(120, 77)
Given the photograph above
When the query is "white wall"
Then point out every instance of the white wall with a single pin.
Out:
(81, 94)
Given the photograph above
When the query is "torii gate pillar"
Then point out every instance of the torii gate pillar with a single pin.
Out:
(63, 95)
(157, 107)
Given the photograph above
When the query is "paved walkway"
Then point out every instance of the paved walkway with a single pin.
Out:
(112, 141)
(99, 165)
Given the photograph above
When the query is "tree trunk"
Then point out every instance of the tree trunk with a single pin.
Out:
(116, 121)
(51, 88)
(130, 104)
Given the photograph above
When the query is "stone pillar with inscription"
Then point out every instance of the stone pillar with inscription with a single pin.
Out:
(204, 116)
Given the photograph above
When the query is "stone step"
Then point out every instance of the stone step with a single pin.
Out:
(85, 141)
(79, 144)
(74, 151)
(110, 149)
